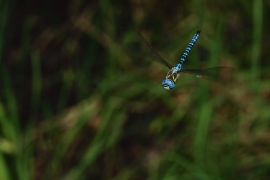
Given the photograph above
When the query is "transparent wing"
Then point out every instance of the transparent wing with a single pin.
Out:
(215, 73)
(153, 55)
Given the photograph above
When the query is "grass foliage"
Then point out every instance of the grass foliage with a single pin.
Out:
(75, 105)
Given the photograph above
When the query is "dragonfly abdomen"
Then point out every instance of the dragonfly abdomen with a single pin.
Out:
(189, 47)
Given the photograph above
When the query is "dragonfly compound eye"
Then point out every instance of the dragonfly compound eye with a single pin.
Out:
(168, 84)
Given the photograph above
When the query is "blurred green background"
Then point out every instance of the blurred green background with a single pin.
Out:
(75, 105)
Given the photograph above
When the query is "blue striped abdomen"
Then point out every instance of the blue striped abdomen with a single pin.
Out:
(189, 47)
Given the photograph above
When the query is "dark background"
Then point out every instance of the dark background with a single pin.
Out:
(75, 105)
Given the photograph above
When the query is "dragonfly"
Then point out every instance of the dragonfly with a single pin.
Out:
(172, 76)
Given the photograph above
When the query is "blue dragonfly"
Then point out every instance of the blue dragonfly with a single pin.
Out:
(172, 76)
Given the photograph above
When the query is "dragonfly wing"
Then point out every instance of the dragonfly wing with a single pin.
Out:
(215, 73)
(152, 55)
(147, 56)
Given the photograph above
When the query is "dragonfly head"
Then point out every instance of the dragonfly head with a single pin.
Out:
(168, 84)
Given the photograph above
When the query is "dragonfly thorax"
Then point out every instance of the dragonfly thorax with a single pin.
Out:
(169, 82)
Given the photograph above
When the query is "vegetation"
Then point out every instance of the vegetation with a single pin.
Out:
(75, 105)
